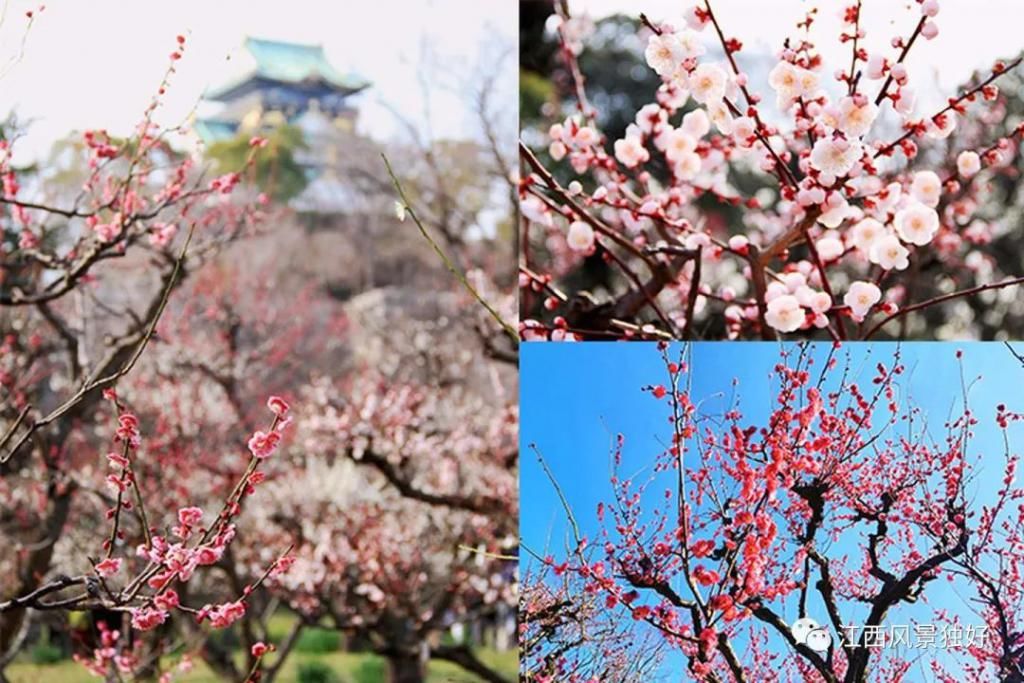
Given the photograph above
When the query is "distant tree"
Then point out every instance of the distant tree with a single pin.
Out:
(275, 172)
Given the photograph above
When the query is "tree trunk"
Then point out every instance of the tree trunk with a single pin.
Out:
(406, 666)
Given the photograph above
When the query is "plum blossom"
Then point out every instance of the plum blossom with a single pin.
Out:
(187, 519)
(222, 616)
(580, 237)
(889, 253)
(785, 314)
(707, 83)
(864, 197)
(926, 188)
(696, 123)
(278, 406)
(108, 567)
(856, 114)
(876, 67)
(861, 297)
(263, 444)
(721, 117)
(679, 143)
(830, 247)
(167, 600)
(968, 164)
(148, 618)
(792, 82)
(161, 234)
(917, 224)
(688, 166)
(631, 151)
(835, 156)
(664, 53)
(835, 211)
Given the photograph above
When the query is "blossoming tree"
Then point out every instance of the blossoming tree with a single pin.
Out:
(73, 333)
(825, 202)
(148, 482)
(841, 501)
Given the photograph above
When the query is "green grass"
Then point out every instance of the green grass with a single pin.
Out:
(350, 667)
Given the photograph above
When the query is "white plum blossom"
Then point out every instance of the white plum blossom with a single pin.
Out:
(829, 247)
(941, 127)
(835, 211)
(696, 123)
(875, 69)
(835, 156)
(664, 53)
(785, 314)
(917, 224)
(707, 83)
(861, 297)
(817, 302)
(586, 137)
(738, 242)
(783, 79)
(775, 289)
(580, 237)
(688, 166)
(926, 188)
(792, 82)
(678, 143)
(820, 302)
(744, 130)
(721, 117)
(856, 114)
(649, 116)
(631, 151)
(968, 164)
(904, 100)
(889, 253)
(793, 281)
(887, 200)
(534, 209)
(691, 43)
(694, 18)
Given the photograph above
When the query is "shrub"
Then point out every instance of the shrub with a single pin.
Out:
(46, 653)
(317, 672)
(370, 670)
(318, 641)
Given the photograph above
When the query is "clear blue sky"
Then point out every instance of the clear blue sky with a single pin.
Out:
(576, 397)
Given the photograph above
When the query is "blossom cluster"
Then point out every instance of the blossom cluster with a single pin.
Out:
(739, 522)
(845, 210)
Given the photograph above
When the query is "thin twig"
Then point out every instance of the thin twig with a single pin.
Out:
(407, 207)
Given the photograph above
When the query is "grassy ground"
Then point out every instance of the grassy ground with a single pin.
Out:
(348, 667)
(315, 647)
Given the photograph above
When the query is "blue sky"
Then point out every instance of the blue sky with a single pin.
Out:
(576, 397)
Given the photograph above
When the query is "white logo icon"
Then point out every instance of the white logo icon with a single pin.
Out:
(808, 632)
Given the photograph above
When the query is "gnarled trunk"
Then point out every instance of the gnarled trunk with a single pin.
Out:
(406, 666)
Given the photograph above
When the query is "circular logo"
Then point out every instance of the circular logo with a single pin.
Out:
(808, 632)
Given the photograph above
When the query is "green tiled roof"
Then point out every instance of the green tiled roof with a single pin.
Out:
(292, 63)
(213, 130)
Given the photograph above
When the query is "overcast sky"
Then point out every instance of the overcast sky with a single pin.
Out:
(97, 63)
(972, 33)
